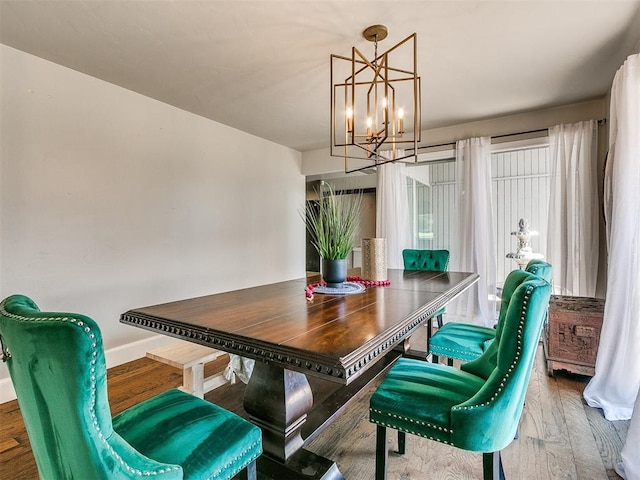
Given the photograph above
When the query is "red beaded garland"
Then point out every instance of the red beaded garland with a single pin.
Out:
(308, 291)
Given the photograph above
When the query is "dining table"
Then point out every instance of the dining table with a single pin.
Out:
(298, 339)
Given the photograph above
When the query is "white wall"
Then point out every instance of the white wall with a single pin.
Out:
(111, 200)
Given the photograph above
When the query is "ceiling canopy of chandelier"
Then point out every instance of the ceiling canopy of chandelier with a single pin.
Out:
(375, 104)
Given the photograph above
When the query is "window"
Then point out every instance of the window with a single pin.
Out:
(520, 181)
(431, 190)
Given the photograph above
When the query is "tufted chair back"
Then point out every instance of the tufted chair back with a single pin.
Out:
(57, 366)
(540, 268)
(489, 420)
(430, 260)
(484, 365)
(58, 370)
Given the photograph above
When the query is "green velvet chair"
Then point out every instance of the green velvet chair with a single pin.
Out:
(465, 341)
(427, 260)
(474, 408)
(57, 365)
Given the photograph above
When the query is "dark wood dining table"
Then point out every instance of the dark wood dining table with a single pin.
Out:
(344, 341)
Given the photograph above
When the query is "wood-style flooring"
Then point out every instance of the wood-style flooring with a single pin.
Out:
(560, 437)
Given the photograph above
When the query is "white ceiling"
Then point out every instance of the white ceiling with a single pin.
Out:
(262, 66)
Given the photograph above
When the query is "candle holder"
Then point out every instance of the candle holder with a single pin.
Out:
(374, 259)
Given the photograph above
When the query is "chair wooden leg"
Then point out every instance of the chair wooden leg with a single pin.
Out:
(402, 442)
(439, 318)
(492, 466)
(249, 473)
(381, 453)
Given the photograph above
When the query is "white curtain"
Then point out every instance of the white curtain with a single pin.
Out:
(630, 459)
(615, 384)
(392, 211)
(572, 228)
(474, 248)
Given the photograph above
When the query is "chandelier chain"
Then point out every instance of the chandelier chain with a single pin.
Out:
(375, 50)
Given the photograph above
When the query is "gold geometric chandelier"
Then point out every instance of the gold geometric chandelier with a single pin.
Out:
(375, 104)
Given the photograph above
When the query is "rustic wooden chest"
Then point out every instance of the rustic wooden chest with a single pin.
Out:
(572, 334)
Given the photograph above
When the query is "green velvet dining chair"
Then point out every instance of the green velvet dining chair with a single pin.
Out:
(57, 366)
(478, 406)
(431, 261)
(466, 341)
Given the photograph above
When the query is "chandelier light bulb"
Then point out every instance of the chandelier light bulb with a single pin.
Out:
(385, 109)
(349, 115)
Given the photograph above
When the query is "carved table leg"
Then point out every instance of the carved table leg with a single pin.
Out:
(278, 400)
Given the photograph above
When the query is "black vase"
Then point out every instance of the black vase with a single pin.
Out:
(334, 272)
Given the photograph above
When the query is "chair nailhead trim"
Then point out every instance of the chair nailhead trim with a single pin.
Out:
(515, 360)
(452, 350)
(413, 432)
(407, 419)
(92, 413)
(234, 459)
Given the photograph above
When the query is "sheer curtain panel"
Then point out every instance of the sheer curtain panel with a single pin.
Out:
(615, 384)
(392, 211)
(473, 246)
(630, 460)
(572, 228)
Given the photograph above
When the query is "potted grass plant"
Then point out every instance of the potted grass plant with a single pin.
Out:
(332, 223)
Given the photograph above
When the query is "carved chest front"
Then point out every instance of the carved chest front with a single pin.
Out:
(572, 333)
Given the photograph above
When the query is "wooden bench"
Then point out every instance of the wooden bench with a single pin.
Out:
(191, 358)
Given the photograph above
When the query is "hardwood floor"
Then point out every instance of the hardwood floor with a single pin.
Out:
(560, 437)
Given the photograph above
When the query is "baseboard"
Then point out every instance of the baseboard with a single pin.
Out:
(132, 351)
(114, 356)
